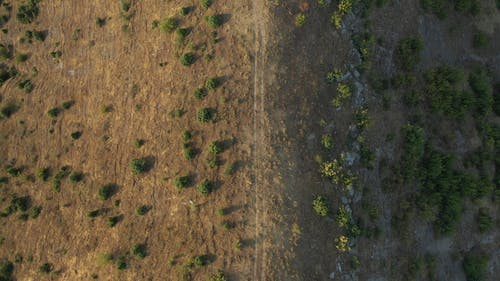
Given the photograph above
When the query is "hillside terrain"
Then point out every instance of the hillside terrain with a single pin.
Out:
(250, 140)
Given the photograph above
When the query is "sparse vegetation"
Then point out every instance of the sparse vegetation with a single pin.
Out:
(139, 251)
(205, 187)
(28, 12)
(106, 191)
(187, 59)
(320, 206)
(205, 115)
(182, 182)
(138, 166)
(214, 21)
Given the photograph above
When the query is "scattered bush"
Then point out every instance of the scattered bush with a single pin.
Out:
(76, 177)
(219, 276)
(342, 243)
(200, 261)
(54, 112)
(138, 143)
(43, 173)
(300, 20)
(182, 182)
(204, 187)
(76, 135)
(205, 115)
(138, 166)
(34, 212)
(184, 11)
(28, 11)
(186, 135)
(187, 59)
(93, 214)
(320, 206)
(484, 221)
(13, 171)
(20, 57)
(67, 104)
(200, 93)
(205, 4)
(26, 85)
(142, 210)
(475, 267)
(100, 22)
(215, 147)
(211, 83)
(139, 250)
(480, 83)
(344, 92)
(112, 221)
(414, 150)
(168, 24)
(125, 5)
(46, 268)
(343, 218)
(8, 110)
(214, 21)
(408, 52)
(106, 191)
(189, 153)
(121, 264)
(480, 40)
(6, 270)
(181, 33)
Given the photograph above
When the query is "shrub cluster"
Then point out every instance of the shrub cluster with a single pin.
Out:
(320, 206)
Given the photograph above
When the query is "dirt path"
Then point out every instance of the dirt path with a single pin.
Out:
(258, 137)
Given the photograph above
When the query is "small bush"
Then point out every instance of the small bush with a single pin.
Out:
(205, 115)
(300, 20)
(484, 221)
(320, 206)
(67, 104)
(20, 57)
(76, 135)
(343, 218)
(480, 40)
(54, 112)
(26, 85)
(408, 52)
(46, 268)
(182, 33)
(106, 191)
(205, 4)
(215, 147)
(219, 276)
(182, 182)
(138, 166)
(142, 210)
(204, 187)
(230, 168)
(184, 11)
(139, 250)
(200, 93)
(121, 264)
(43, 173)
(6, 270)
(211, 83)
(200, 261)
(8, 110)
(475, 267)
(93, 214)
(100, 22)
(187, 59)
(214, 21)
(327, 141)
(168, 24)
(76, 177)
(34, 212)
(28, 12)
(186, 135)
(138, 143)
(125, 5)
(189, 153)
(112, 221)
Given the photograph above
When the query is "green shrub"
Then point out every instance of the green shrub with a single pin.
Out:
(215, 147)
(475, 267)
(13, 171)
(205, 4)
(138, 166)
(320, 206)
(34, 212)
(200, 261)
(54, 112)
(205, 115)
(93, 214)
(230, 168)
(435, 6)
(8, 110)
(142, 210)
(184, 11)
(186, 135)
(187, 59)
(46, 268)
(6, 270)
(343, 218)
(181, 33)
(106, 191)
(125, 5)
(182, 182)
(219, 276)
(26, 85)
(20, 57)
(484, 221)
(43, 173)
(211, 83)
(414, 150)
(168, 24)
(76, 177)
(138, 143)
(189, 153)
(480, 40)
(200, 93)
(100, 22)
(300, 20)
(480, 83)
(76, 135)
(28, 11)
(205, 187)
(121, 264)
(67, 104)
(112, 221)
(408, 52)
(214, 21)
(139, 250)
